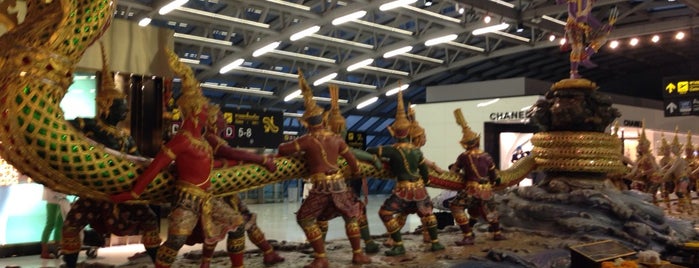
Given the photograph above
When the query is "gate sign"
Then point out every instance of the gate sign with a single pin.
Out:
(253, 128)
(356, 139)
(685, 86)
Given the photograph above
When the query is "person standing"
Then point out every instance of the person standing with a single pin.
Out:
(57, 206)
(478, 170)
(409, 195)
(321, 149)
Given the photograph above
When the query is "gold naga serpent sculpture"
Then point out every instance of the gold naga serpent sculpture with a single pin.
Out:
(38, 59)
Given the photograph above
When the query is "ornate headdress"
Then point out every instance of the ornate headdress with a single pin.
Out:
(336, 122)
(312, 110)
(676, 146)
(643, 142)
(664, 145)
(107, 91)
(415, 129)
(689, 147)
(212, 118)
(401, 126)
(191, 100)
(468, 138)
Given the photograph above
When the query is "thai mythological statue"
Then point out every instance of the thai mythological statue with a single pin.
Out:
(692, 161)
(224, 155)
(477, 169)
(104, 216)
(409, 195)
(336, 124)
(330, 194)
(676, 170)
(645, 174)
(585, 34)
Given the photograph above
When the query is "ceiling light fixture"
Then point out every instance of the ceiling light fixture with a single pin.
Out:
(512, 36)
(303, 56)
(292, 95)
(520, 27)
(428, 3)
(202, 39)
(507, 4)
(223, 17)
(171, 6)
(303, 33)
(442, 39)
(552, 38)
(554, 20)
(360, 64)
(144, 22)
(474, 48)
(246, 91)
(679, 35)
(395, 90)
(289, 76)
(324, 79)
(189, 61)
(487, 19)
(633, 42)
(349, 17)
(367, 103)
(423, 58)
(399, 51)
(267, 48)
(290, 4)
(614, 44)
(490, 29)
(395, 4)
(384, 70)
(234, 64)
(655, 38)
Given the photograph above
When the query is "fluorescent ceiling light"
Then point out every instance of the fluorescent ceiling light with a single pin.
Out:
(554, 20)
(289, 132)
(360, 64)
(247, 91)
(349, 17)
(507, 4)
(304, 56)
(423, 58)
(296, 115)
(202, 39)
(144, 22)
(267, 72)
(321, 99)
(190, 61)
(513, 36)
(234, 64)
(223, 17)
(399, 51)
(171, 6)
(475, 48)
(395, 4)
(290, 4)
(395, 90)
(292, 95)
(267, 48)
(433, 14)
(342, 41)
(324, 79)
(367, 102)
(304, 33)
(439, 40)
(354, 85)
(490, 29)
(390, 71)
(383, 27)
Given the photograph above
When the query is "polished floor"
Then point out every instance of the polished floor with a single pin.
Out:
(277, 220)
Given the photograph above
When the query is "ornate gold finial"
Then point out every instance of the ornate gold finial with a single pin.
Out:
(107, 91)
(664, 145)
(676, 146)
(312, 110)
(415, 129)
(336, 122)
(643, 141)
(401, 125)
(689, 147)
(191, 100)
(468, 138)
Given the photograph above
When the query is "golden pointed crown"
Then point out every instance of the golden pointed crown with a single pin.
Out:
(643, 141)
(663, 143)
(107, 91)
(212, 116)
(468, 136)
(312, 110)
(676, 145)
(191, 100)
(401, 126)
(415, 129)
(689, 146)
(336, 122)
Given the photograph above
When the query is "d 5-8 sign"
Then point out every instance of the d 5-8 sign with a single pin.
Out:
(253, 128)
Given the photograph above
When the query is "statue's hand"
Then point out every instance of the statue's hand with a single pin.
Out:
(122, 197)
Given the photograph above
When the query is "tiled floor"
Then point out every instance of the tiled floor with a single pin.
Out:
(277, 220)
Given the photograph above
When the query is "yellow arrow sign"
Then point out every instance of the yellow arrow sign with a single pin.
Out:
(670, 87)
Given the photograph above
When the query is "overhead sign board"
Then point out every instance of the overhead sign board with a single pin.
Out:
(253, 128)
(686, 86)
(681, 106)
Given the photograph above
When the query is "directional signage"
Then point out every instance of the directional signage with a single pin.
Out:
(681, 106)
(253, 128)
(686, 86)
(356, 139)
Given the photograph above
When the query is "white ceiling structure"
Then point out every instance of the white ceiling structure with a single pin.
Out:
(211, 35)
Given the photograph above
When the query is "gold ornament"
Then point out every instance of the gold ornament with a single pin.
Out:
(107, 92)
(415, 129)
(336, 122)
(401, 125)
(689, 147)
(643, 142)
(312, 110)
(468, 138)
(191, 100)
(676, 145)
